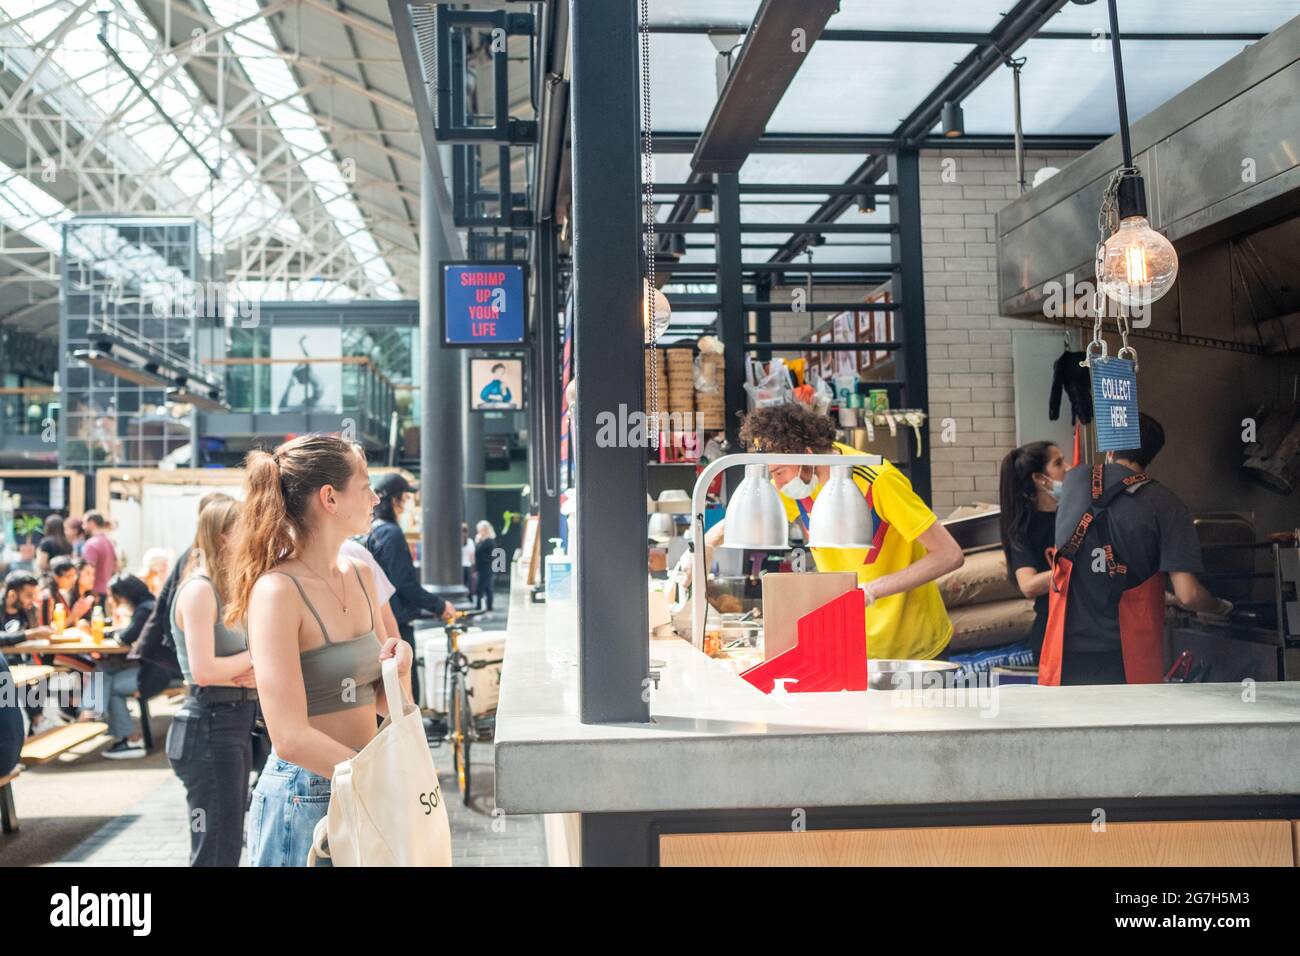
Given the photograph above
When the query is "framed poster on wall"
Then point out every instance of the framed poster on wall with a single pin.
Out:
(484, 303)
(882, 324)
(496, 383)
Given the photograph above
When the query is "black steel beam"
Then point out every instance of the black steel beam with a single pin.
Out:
(607, 280)
(909, 288)
(680, 141)
(961, 37)
(1024, 20)
(775, 47)
(731, 288)
(800, 227)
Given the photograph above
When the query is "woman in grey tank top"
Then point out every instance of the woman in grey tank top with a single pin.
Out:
(311, 630)
(209, 744)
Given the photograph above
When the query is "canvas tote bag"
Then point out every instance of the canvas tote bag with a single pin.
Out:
(386, 806)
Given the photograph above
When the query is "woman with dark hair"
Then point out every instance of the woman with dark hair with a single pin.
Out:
(85, 585)
(54, 544)
(116, 679)
(311, 631)
(60, 590)
(1029, 489)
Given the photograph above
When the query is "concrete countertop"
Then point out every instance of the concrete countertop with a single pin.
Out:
(717, 743)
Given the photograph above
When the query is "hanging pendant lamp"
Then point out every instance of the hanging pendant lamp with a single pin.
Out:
(1136, 265)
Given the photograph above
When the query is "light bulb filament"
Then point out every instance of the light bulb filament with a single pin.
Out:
(1135, 265)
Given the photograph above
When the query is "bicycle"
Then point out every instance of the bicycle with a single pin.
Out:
(462, 726)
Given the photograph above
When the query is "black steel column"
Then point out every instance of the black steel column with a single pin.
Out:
(763, 318)
(473, 457)
(546, 387)
(731, 291)
(609, 336)
(909, 292)
(440, 398)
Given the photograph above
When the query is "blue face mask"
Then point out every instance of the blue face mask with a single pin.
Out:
(1055, 489)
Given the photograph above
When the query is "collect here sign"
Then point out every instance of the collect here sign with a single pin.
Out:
(483, 303)
(1115, 404)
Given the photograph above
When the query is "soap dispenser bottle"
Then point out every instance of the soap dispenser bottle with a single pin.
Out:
(559, 575)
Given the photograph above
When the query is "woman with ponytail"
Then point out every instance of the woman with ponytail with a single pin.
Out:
(311, 630)
(1029, 489)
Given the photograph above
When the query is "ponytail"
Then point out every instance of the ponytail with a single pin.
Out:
(277, 494)
(1017, 495)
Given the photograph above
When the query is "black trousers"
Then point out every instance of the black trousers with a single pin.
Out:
(407, 632)
(483, 590)
(209, 746)
(1104, 667)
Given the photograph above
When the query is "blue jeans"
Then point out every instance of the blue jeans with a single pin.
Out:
(288, 801)
(117, 686)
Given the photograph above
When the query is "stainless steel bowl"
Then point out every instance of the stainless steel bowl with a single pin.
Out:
(890, 674)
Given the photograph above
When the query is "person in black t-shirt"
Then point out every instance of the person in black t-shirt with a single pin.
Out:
(1029, 487)
(1148, 535)
(54, 544)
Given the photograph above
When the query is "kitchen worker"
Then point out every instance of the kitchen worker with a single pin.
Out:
(906, 617)
(1118, 535)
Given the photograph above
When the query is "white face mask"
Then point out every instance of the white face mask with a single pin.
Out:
(797, 488)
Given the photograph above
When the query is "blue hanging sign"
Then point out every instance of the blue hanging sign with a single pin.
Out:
(1115, 404)
(483, 303)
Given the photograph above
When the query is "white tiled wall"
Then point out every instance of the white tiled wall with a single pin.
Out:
(968, 344)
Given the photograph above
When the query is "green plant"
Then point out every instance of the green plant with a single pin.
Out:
(27, 525)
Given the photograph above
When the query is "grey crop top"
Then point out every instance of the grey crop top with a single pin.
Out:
(339, 675)
(229, 641)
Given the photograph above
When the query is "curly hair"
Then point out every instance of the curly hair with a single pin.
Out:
(788, 429)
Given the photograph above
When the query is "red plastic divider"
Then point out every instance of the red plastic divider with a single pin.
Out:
(829, 655)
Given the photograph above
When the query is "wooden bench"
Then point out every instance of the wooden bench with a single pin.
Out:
(48, 746)
(8, 815)
(24, 674)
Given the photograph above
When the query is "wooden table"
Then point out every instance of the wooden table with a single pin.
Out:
(46, 647)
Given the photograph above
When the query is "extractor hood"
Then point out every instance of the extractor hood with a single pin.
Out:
(1222, 167)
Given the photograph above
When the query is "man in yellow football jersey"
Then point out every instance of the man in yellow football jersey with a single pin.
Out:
(905, 613)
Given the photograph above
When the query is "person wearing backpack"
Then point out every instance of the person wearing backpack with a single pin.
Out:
(387, 542)
(1120, 537)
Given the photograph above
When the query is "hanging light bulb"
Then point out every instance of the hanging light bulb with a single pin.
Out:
(663, 311)
(1139, 265)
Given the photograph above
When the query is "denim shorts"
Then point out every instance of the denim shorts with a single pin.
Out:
(288, 801)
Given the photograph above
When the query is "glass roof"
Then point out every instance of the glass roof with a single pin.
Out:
(1068, 87)
(868, 87)
(80, 81)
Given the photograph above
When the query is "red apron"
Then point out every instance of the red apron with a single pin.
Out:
(1139, 608)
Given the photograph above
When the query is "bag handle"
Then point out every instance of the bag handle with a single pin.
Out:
(393, 689)
(319, 842)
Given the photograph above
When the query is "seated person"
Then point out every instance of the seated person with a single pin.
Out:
(61, 591)
(116, 679)
(19, 622)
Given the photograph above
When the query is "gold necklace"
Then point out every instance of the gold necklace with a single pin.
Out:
(342, 600)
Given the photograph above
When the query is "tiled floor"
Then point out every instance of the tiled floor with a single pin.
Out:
(154, 832)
